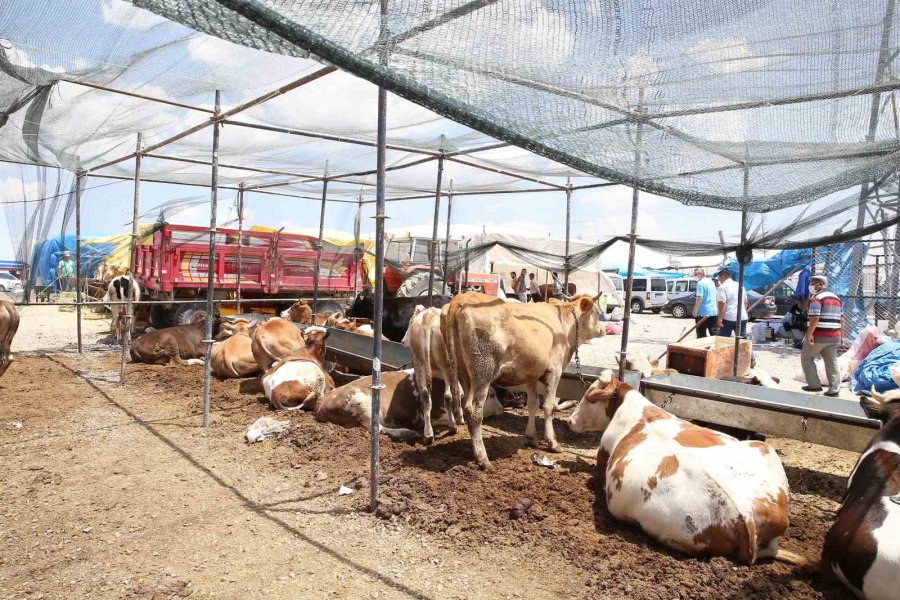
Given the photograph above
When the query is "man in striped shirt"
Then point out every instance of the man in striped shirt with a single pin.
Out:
(823, 336)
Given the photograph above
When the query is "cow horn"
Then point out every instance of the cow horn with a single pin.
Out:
(597, 297)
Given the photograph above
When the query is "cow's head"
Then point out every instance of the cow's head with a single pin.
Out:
(881, 406)
(238, 327)
(641, 362)
(315, 342)
(599, 404)
(588, 314)
(299, 312)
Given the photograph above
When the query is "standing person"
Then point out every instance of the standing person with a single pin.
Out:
(705, 307)
(65, 271)
(522, 286)
(534, 290)
(823, 335)
(512, 282)
(558, 292)
(727, 300)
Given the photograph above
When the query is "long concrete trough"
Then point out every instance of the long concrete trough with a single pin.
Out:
(817, 419)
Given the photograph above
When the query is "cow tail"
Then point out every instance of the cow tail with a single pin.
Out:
(449, 333)
(786, 556)
(233, 368)
(746, 533)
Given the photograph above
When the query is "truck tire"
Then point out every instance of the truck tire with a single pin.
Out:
(185, 314)
(417, 285)
(161, 317)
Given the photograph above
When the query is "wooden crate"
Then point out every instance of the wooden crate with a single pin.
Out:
(711, 357)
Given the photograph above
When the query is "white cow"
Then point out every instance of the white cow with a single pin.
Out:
(117, 291)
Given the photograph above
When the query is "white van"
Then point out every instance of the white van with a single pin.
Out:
(648, 293)
(683, 286)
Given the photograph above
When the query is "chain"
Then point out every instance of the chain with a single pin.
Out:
(577, 358)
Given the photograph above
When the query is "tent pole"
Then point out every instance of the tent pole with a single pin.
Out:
(357, 255)
(632, 241)
(434, 229)
(79, 182)
(447, 236)
(740, 295)
(319, 246)
(240, 243)
(568, 227)
(129, 325)
(211, 267)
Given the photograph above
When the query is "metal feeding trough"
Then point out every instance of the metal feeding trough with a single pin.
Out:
(817, 419)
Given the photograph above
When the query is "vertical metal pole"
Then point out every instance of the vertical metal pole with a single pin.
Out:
(357, 255)
(129, 324)
(79, 183)
(434, 228)
(740, 295)
(568, 226)
(377, 386)
(211, 265)
(447, 235)
(240, 265)
(635, 197)
(319, 246)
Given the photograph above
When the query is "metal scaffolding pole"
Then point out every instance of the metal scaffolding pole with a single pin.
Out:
(211, 265)
(568, 226)
(356, 253)
(635, 197)
(129, 319)
(434, 230)
(79, 183)
(447, 235)
(240, 211)
(319, 246)
(740, 295)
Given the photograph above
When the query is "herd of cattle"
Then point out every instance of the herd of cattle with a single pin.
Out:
(694, 489)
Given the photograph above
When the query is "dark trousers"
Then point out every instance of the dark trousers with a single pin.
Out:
(707, 327)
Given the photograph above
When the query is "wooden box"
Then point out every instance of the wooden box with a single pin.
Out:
(711, 357)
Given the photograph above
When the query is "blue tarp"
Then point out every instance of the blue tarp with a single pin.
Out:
(768, 271)
(47, 254)
(874, 369)
(639, 272)
(11, 265)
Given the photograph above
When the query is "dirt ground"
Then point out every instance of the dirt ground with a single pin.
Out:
(114, 492)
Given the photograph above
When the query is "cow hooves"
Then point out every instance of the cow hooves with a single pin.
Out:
(429, 440)
(486, 466)
(532, 442)
(555, 448)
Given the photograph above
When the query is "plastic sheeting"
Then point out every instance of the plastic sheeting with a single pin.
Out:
(769, 271)
(875, 370)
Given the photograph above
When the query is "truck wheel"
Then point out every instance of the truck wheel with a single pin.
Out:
(161, 317)
(187, 314)
(417, 285)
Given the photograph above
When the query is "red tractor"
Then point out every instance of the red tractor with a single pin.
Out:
(408, 261)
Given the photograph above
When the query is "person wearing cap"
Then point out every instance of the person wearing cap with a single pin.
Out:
(65, 271)
(823, 336)
(705, 308)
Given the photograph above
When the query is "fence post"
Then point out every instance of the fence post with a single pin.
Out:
(79, 182)
(740, 295)
(434, 228)
(211, 265)
(568, 226)
(129, 323)
(632, 242)
(319, 246)
(240, 209)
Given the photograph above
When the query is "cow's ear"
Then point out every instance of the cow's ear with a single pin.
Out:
(872, 407)
(303, 301)
(585, 304)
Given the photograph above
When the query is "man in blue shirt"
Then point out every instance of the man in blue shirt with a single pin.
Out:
(705, 305)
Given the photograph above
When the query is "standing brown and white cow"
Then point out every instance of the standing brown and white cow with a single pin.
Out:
(863, 545)
(117, 291)
(9, 324)
(299, 379)
(273, 340)
(233, 356)
(490, 341)
(691, 488)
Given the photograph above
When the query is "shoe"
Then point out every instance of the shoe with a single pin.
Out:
(832, 394)
(807, 388)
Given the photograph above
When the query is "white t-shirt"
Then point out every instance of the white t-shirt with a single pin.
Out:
(728, 293)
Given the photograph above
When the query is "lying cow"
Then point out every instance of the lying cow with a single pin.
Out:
(401, 417)
(693, 489)
(117, 291)
(396, 315)
(641, 362)
(299, 379)
(429, 359)
(181, 345)
(863, 545)
(492, 342)
(233, 357)
(758, 377)
(9, 324)
(273, 340)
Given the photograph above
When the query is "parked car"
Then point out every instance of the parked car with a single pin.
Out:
(683, 286)
(9, 283)
(784, 295)
(648, 293)
(681, 308)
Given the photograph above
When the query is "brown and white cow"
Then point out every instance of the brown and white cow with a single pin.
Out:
(301, 312)
(181, 345)
(490, 341)
(863, 545)
(691, 488)
(273, 340)
(400, 415)
(299, 379)
(117, 291)
(430, 359)
(233, 356)
(9, 324)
